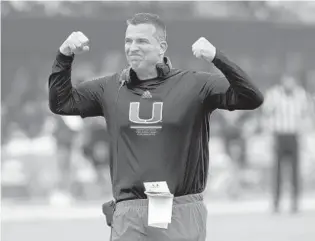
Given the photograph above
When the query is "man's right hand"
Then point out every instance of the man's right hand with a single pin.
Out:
(76, 43)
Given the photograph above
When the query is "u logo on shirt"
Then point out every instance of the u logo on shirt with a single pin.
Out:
(156, 113)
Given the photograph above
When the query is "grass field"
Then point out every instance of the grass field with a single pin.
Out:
(235, 221)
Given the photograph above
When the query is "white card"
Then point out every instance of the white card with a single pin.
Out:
(156, 187)
(160, 204)
(159, 225)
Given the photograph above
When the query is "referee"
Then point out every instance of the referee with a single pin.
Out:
(285, 110)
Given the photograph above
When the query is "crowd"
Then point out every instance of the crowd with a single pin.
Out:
(242, 150)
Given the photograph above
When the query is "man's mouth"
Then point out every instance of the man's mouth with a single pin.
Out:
(134, 55)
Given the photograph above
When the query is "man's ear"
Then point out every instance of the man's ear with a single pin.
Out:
(163, 47)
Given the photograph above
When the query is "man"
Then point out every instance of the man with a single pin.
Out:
(158, 121)
(285, 113)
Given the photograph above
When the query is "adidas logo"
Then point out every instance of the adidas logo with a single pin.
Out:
(146, 95)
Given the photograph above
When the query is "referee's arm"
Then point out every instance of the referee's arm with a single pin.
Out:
(308, 111)
(267, 110)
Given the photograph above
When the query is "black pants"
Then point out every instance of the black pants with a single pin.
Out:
(287, 156)
(129, 220)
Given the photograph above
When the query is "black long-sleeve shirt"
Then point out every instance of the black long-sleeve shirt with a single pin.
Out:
(159, 128)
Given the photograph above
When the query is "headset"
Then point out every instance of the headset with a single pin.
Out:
(127, 75)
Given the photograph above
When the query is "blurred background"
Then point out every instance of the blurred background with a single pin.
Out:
(54, 170)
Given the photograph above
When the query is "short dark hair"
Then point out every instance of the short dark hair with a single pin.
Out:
(149, 18)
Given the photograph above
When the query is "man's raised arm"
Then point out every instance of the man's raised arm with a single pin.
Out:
(64, 99)
(233, 90)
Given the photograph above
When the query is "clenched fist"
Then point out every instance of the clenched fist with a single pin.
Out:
(202, 48)
(76, 43)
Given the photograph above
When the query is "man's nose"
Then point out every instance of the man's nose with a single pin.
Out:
(133, 47)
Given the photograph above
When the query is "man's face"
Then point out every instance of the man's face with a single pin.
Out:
(142, 48)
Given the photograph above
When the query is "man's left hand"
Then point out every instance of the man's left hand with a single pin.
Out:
(202, 48)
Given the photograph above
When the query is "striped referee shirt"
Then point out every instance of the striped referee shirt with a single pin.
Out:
(285, 113)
